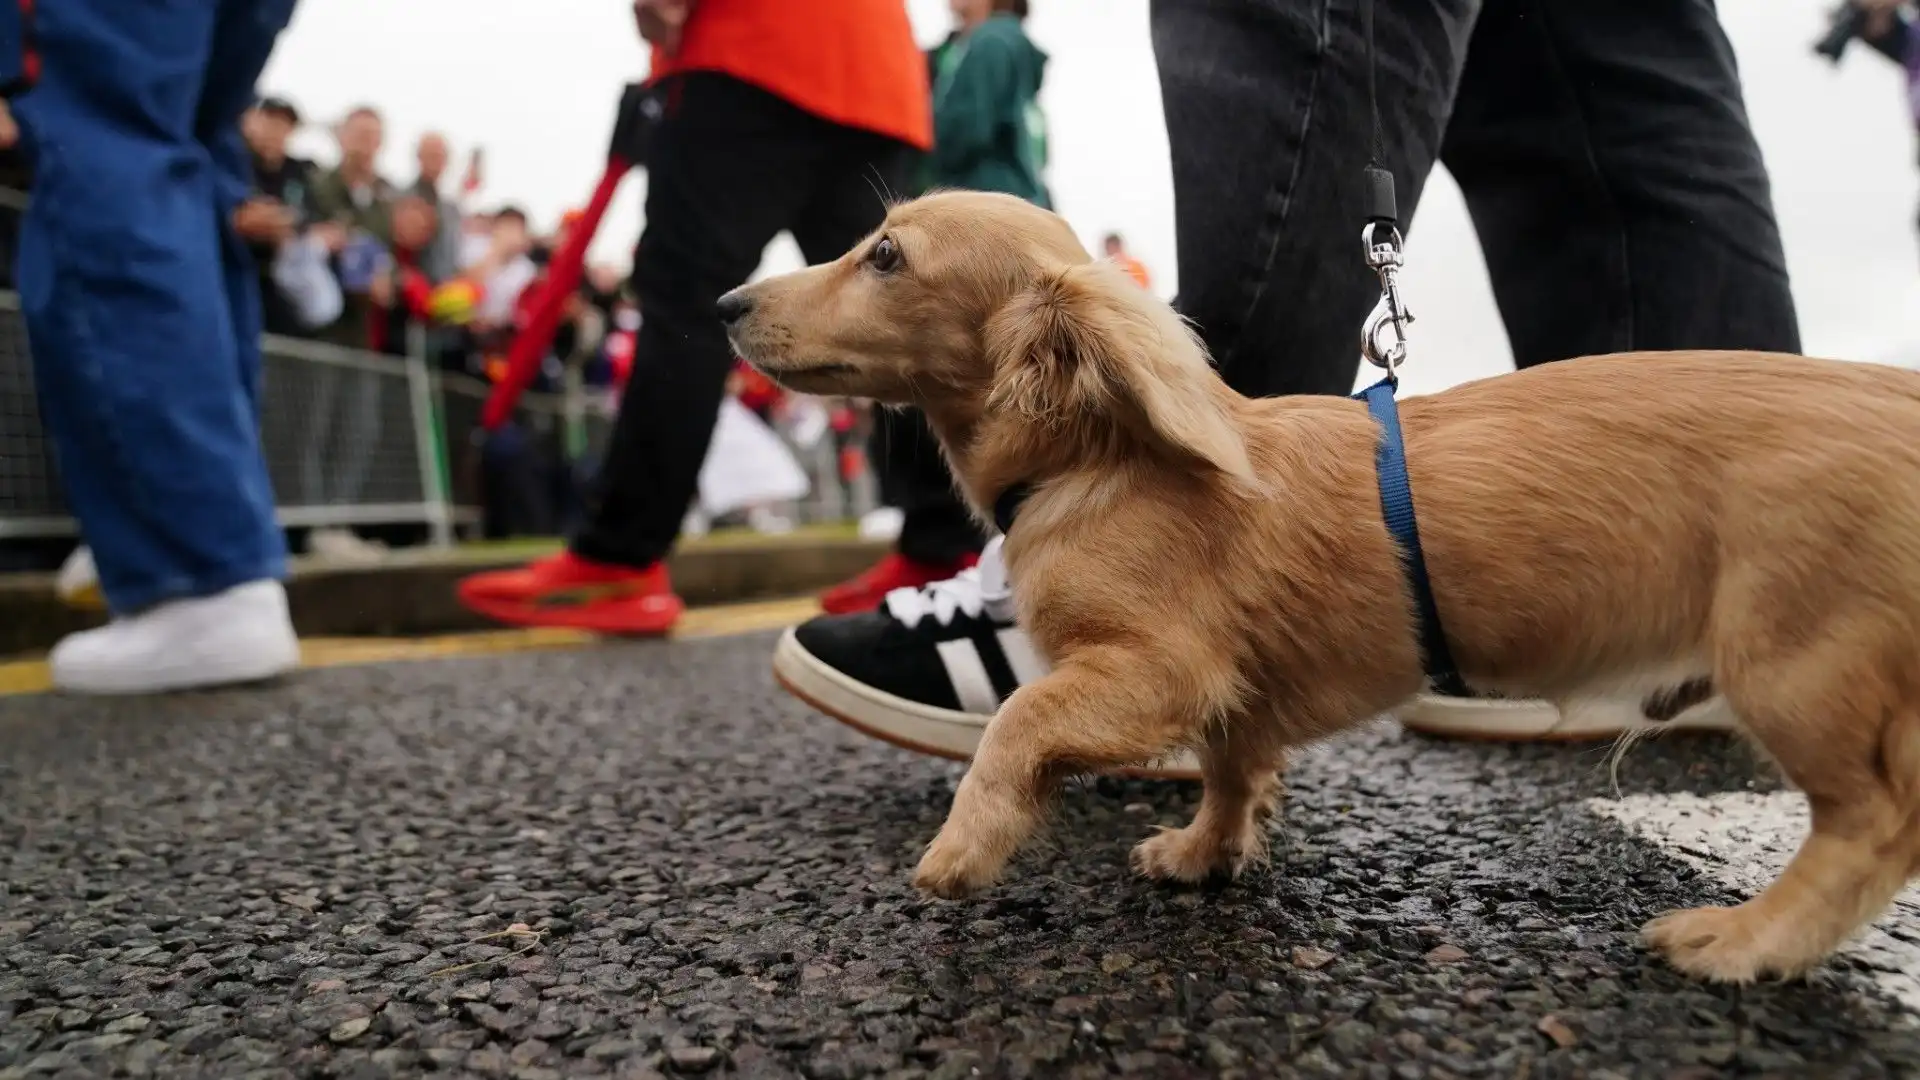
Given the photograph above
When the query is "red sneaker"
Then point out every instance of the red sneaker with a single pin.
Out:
(896, 571)
(565, 590)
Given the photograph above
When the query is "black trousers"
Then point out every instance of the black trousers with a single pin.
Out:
(1602, 146)
(913, 476)
(731, 167)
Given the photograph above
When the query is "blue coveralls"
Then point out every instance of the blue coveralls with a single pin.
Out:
(141, 302)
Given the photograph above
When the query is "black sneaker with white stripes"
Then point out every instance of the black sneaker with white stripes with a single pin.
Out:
(925, 671)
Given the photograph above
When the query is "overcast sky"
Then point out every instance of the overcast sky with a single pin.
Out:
(536, 85)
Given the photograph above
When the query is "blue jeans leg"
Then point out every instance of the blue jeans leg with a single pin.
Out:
(139, 300)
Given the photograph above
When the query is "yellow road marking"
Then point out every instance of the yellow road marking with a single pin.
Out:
(31, 676)
(729, 619)
(24, 677)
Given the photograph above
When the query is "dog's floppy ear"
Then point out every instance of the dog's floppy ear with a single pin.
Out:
(1086, 342)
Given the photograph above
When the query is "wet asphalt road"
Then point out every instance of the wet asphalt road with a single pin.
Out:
(644, 859)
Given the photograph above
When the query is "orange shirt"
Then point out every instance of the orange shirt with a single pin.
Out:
(853, 62)
(1134, 268)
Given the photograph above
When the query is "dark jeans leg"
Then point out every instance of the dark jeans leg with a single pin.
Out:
(912, 472)
(731, 166)
(1621, 200)
(1604, 152)
(1266, 110)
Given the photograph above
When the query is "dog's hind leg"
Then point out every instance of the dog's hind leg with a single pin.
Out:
(1241, 764)
(1103, 709)
(1848, 735)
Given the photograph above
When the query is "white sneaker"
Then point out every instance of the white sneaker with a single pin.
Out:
(1593, 719)
(78, 584)
(344, 546)
(242, 635)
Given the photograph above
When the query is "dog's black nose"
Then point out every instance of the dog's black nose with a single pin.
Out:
(733, 307)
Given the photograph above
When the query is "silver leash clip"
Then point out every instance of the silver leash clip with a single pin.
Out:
(1383, 340)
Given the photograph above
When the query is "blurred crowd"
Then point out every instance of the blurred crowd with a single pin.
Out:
(354, 258)
(357, 259)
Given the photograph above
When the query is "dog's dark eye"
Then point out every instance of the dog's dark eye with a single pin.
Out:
(885, 256)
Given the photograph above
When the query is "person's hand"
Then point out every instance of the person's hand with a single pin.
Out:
(9, 131)
(381, 290)
(263, 220)
(330, 235)
(661, 22)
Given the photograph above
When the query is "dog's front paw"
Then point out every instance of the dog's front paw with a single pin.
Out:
(1721, 944)
(1191, 855)
(952, 869)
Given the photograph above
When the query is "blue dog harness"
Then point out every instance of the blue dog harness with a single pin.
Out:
(1396, 504)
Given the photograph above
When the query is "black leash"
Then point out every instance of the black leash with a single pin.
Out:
(1379, 181)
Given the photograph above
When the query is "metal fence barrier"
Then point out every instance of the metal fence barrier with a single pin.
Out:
(355, 439)
(30, 501)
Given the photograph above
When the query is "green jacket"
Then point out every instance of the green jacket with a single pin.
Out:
(333, 201)
(988, 131)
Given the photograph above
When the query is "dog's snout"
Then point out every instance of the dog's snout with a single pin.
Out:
(733, 306)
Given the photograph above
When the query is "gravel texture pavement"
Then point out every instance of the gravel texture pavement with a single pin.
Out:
(645, 860)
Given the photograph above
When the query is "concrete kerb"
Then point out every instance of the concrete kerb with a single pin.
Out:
(411, 593)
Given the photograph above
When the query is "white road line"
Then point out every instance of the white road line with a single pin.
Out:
(1742, 840)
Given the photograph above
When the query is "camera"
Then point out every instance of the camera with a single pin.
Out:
(1845, 24)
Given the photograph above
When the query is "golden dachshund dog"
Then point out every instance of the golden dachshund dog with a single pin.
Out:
(1214, 573)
